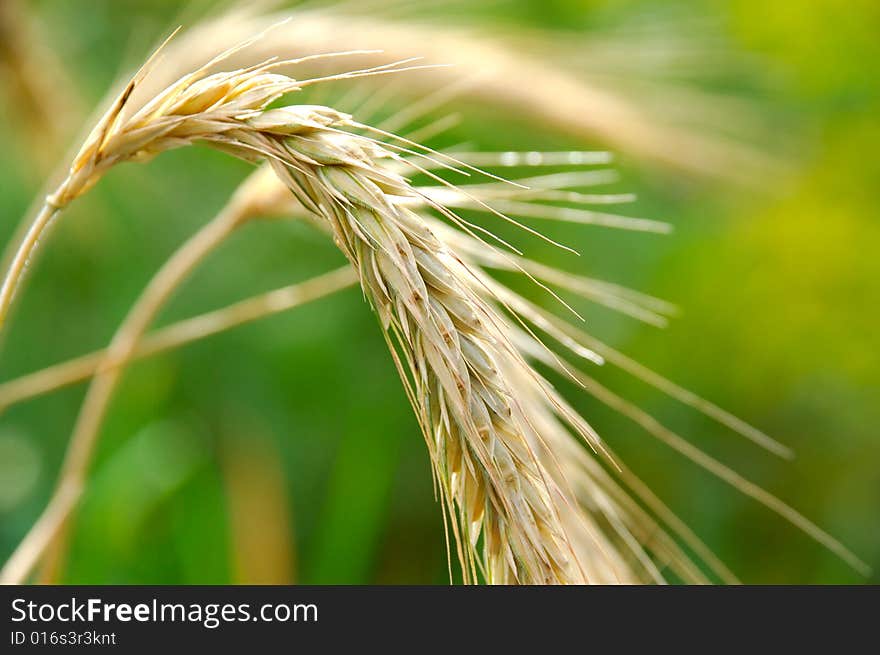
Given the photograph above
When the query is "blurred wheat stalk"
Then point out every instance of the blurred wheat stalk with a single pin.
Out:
(525, 502)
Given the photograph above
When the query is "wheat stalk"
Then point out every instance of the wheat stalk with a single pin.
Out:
(520, 509)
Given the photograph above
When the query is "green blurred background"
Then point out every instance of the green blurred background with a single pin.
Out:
(285, 450)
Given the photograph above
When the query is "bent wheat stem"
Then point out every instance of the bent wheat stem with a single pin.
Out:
(22, 257)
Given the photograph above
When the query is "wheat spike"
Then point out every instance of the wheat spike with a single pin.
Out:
(452, 351)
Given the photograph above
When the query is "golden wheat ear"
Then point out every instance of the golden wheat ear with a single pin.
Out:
(447, 336)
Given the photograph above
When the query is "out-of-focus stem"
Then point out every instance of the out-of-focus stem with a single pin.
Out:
(178, 334)
(19, 566)
(50, 542)
(122, 347)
